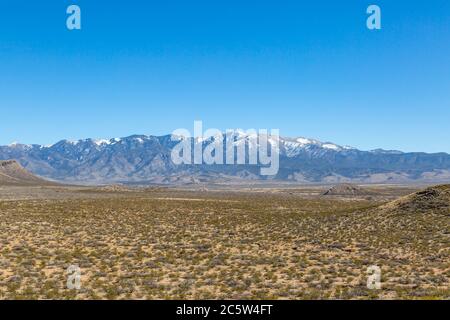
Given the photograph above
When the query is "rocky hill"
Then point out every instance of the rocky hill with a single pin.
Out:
(431, 200)
(345, 189)
(12, 173)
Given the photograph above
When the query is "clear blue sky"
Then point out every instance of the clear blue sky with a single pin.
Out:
(309, 68)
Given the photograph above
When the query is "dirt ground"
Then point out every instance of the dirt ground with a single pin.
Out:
(230, 243)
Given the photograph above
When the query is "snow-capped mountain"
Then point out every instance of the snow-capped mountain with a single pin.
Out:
(292, 147)
(147, 159)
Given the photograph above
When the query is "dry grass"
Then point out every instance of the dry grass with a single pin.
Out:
(192, 245)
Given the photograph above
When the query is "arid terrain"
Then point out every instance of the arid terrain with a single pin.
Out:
(229, 243)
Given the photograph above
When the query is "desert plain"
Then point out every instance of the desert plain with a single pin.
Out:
(229, 242)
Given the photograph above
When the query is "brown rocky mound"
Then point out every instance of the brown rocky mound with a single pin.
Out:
(345, 189)
(434, 199)
(12, 173)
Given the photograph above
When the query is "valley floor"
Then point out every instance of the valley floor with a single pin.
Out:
(223, 244)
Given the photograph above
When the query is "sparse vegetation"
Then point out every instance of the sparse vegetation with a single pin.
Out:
(168, 244)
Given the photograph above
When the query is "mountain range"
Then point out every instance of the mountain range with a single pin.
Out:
(141, 159)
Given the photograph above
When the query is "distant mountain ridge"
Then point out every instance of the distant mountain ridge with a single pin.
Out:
(147, 159)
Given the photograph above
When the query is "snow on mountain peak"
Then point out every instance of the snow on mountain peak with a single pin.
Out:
(304, 141)
(19, 145)
(330, 146)
(291, 147)
(100, 142)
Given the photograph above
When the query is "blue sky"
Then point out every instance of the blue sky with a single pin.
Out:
(309, 68)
